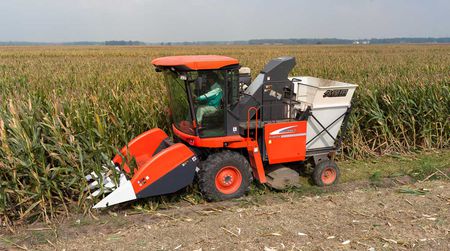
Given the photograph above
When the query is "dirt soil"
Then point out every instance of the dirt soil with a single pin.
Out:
(354, 215)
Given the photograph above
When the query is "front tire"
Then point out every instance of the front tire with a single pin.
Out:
(224, 175)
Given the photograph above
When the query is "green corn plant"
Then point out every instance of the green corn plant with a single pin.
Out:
(64, 111)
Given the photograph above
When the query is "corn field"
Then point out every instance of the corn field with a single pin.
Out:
(65, 110)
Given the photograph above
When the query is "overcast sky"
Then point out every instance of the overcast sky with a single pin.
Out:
(200, 20)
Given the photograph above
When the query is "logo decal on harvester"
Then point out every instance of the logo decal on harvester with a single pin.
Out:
(335, 93)
(283, 130)
(286, 132)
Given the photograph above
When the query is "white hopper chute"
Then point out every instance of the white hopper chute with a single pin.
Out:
(329, 102)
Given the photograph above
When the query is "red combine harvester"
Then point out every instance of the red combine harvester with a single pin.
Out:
(228, 131)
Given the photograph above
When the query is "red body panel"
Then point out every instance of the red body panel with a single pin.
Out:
(234, 142)
(141, 148)
(159, 165)
(254, 155)
(285, 142)
(216, 142)
(197, 62)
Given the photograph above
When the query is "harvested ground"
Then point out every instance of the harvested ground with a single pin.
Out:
(354, 215)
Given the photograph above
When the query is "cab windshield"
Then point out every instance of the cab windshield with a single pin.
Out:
(207, 90)
(179, 104)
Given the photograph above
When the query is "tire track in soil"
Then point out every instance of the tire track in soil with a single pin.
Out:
(356, 215)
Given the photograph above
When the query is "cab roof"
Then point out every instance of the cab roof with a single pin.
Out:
(195, 62)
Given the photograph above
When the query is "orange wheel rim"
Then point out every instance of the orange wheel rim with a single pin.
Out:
(328, 176)
(228, 180)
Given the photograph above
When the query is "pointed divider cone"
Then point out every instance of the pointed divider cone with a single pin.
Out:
(123, 193)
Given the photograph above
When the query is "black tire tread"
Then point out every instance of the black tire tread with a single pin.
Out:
(320, 167)
(209, 168)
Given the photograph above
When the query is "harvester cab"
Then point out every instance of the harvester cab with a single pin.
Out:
(228, 131)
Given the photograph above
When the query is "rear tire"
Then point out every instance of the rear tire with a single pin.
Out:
(326, 173)
(224, 175)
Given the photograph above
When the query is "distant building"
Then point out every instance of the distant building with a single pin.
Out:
(361, 42)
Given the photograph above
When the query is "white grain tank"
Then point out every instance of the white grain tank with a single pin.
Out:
(329, 101)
